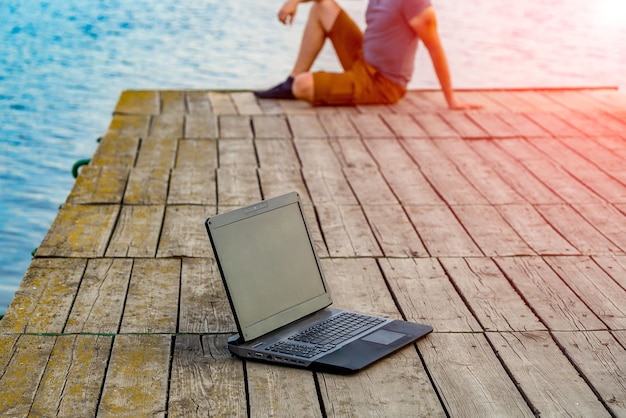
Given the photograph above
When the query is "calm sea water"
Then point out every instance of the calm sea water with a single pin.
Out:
(64, 63)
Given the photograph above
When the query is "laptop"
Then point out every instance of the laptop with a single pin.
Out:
(280, 299)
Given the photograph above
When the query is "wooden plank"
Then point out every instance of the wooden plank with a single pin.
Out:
(411, 279)
(371, 126)
(147, 186)
(160, 153)
(435, 126)
(204, 307)
(119, 146)
(494, 302)
(136, 232)
(352, 153)
(270, 126)
(173, 101)
(197, 153)
(540, 100)
(129, 393)
(441, 232)
(606, 159)
(276, 154)
(141, 102)
(494, 126)
(99, 303)
(237, 153)
(193, 185)
(549, 381)
(442, 174)
(201, 125)
(20, 379)
(523, 125)
(393, 231)
(306, 127)
(73, 378)
(246, 103)
(483, 99)
(198, 102)
(389, 153)
(316, 155)
(615, 266)
(510, 101)
(465, 127)
(469, 377)
(410, 186)
(515, 174)
(357, 284)
(606, 219)
(280, 391)
(166, 126)
(576, 230)
(603, 295)
(595, 123)
(535, 231)
(315, 230)
(275, 182)
(79, 231)
(206, 380)
(602, 361)
(483, 176)
(183, 233)
(237, 186)
(346, 231)
(99, 184)
(490, 231)
(152, 301)
(419, 102)
(232, 126)
(338, 125)
(221, 103)
(328, 185)
(553, 124)
(369, 186)
(549, 297)
(404, 126)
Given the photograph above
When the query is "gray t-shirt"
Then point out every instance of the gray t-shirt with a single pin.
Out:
(389, 43)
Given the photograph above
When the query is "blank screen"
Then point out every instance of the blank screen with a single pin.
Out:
(269, 264)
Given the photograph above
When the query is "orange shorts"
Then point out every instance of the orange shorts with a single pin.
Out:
(360, 83)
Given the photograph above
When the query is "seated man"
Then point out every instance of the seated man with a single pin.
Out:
(377, 64)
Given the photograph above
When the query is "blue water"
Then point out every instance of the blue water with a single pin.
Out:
(64, 63)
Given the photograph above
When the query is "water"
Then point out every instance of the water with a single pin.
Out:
(63, 65)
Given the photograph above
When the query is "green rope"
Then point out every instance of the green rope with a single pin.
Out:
(78, 164)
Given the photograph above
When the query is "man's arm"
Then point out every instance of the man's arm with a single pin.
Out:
(287, 12)
(425, 26)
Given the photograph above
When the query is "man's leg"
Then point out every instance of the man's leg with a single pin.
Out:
(322, 16)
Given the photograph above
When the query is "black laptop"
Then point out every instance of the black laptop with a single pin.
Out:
(280, 299)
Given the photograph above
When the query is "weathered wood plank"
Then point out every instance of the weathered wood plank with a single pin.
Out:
(523, 125)
(193, 185)
(352, 153)
(173, 101)
(157, 153)
(346, 231)
(535, 231)
(606, 219)
(20, 379)
(316, 154)
(201, 125)
(328, 185)
(605, 297)
(410, 186)
(237, 153)
(551, 123)
(435, 126)
(615, 266)
(128, 393)
(147, 186)
(270, 126)
(607, 159)
(232, 126)
(281, 391)
(246, 103)
(79, 231)
(441, 232)
(99, 184)
(237, 186)
(141, 102)
(136, 232)
(73, 378)
(275, 182)
(603, 362)
(315, 230)
(389, 153)
(490, 231)
(166, 126)
(183, 233)
(411, 280)
(369, 186)
(120, 144)
(469, 377)
(493, 301)
(306, 127)
(549, 297)
(371, 126)
(206, 380)
(99, 303)
(462, 124)
(204, 307)
(393, 231)
(338, 125)
(221, 103)
(152, 300)
(198, 102)
(276, 154)
(494, 126)
(404, 126)
(549, 381)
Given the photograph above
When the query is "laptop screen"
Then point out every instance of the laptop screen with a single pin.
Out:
(269, 265)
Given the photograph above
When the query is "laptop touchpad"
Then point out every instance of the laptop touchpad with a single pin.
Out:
(382, 336)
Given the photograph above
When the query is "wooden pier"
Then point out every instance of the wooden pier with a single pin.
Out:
(504, 228)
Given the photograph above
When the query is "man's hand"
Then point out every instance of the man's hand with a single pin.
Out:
(457, 105)
(287, 13)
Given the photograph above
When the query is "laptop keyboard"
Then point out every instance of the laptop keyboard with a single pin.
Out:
(326, 335)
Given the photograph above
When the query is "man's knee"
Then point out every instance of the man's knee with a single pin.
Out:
(302, 87)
